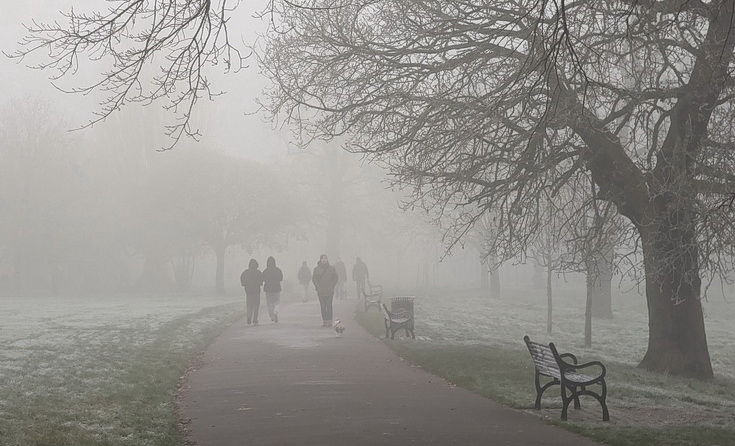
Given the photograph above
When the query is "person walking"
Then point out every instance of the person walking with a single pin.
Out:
(251, 279)
(304, 276)
(272, 278)
(325, 279)
(360, 275)
(339, 266)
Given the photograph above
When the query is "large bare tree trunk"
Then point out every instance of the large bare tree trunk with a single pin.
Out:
(677, 342)
(602, 284)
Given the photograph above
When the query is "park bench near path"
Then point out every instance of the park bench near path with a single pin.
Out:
(372, 297)
(548, 362)
(396, 320)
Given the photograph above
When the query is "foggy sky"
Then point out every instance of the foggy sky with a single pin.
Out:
(237, 127)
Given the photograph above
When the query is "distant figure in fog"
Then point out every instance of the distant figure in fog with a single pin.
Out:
(325, 279)
(304, 279)
(339, 266)
(360, 275)
(272, 278)
(251, 279)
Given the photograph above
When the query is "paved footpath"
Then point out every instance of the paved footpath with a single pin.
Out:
(295, 383)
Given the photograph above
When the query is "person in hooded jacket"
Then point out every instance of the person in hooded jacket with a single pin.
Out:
(304, 276)
(251, 279)
(325, 279)
(339, 291)
(272, 278)
(360, 275)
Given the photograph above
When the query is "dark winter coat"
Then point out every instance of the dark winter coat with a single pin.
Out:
(341, 271)
(304, 275)
(324, 279)
(360, 271)
(272, 276)
(251, 279)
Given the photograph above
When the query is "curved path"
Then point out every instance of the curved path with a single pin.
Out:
(295, 383)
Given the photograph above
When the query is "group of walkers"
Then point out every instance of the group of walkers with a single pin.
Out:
(329, 282)
(252, 279)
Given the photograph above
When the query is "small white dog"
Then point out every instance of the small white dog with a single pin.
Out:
(338, 328)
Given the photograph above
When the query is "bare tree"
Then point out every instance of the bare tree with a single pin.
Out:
(150, 51)
(497, 105)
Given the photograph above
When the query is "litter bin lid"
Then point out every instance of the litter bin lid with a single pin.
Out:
(400, 298)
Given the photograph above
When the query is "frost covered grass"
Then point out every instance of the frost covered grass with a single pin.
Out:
(100, 370)
(477, 343)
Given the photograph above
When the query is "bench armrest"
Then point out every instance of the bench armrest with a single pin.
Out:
(569, 355)
(593, 379)
(603, 370)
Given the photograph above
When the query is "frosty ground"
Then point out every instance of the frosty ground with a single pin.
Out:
(102, 369)
(469, 328)
(105, 369)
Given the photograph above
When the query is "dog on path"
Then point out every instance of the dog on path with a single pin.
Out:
(339, 328)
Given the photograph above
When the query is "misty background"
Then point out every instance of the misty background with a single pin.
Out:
(104, 208)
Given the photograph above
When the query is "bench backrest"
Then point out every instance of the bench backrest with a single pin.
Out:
(386, 313)
(543, 358)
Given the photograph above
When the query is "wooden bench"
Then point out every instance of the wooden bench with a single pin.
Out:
(373, 297)
(396, 320)
(549, 363)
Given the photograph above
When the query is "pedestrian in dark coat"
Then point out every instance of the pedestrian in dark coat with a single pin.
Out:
(251, 280)
(304, 279)
(339, 291)
(325, 279)
(272, 278)
(360, 275)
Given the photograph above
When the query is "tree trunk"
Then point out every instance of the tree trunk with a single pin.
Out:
(484, 277)
(183, 268)
(677, 342)
(495, 283)
(589, 304)
(219, 276)
(548, 297)
(602, 275)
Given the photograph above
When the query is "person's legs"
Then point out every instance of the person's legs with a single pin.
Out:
(249, 308)
(323, 307)
(276, 305)
(306, 292)
(329, 311)
(256, 308)
(360, 289)
(270, 301)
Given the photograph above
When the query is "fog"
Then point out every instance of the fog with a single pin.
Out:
(104, 209)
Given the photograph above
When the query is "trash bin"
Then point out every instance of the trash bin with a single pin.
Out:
(402, 302)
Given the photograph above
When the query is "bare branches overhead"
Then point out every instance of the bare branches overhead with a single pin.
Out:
(148, 50)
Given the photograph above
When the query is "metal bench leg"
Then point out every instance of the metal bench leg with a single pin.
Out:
(537, 406)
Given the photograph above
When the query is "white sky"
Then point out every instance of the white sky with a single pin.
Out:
(237, 131)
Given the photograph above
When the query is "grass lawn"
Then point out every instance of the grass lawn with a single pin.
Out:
(476, 343)
(101, 370)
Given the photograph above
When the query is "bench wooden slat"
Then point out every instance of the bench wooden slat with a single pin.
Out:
(549, 363)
